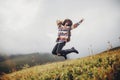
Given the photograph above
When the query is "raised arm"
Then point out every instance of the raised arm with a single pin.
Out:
(59, 23)
(77, 24)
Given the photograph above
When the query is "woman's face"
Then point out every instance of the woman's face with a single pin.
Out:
(66, 24)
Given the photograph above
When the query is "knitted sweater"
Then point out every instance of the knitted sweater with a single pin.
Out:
(64, 33)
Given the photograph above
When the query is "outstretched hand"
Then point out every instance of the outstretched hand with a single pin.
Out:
(81, 20)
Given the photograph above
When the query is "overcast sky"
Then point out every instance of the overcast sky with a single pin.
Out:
(28, 26)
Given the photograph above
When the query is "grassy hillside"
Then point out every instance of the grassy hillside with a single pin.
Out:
(103, 66)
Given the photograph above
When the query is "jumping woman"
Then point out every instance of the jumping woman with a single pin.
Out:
(64, 34)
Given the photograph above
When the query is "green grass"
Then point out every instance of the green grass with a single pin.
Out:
(103, 66)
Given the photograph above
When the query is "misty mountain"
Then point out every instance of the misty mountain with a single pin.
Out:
(9, 63)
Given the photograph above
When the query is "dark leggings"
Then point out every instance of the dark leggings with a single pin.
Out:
(58, 49)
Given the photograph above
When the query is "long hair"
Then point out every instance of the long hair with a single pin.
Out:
(69, 22)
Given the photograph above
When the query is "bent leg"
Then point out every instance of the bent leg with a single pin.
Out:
(60, 51)
(68, 51)
(59, 47)
(55, 49)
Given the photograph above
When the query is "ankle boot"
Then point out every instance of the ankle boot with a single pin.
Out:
(74, 50)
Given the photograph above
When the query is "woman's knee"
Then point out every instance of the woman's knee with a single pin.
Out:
(54, 53)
